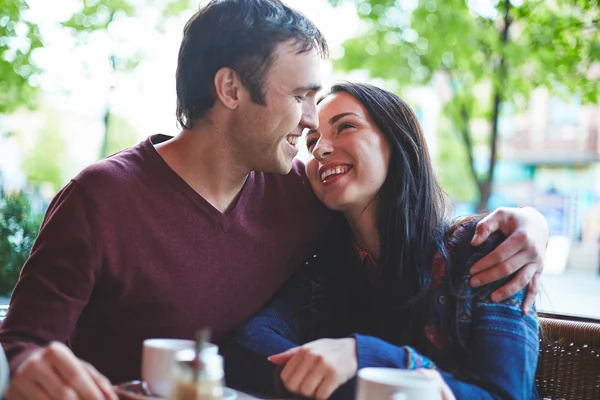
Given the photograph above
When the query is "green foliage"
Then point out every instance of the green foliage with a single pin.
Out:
(18, 40)
(452, 158)
(43, 163)
(121, 135)
(18, 230)
(552, 44)
(97, 15)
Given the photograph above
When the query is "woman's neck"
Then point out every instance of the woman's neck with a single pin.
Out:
(363, 223)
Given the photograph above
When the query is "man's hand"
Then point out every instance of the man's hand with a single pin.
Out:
(318, 368)
(54, 373)
(522, 251)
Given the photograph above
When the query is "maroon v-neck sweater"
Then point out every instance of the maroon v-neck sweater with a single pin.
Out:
(129, 251)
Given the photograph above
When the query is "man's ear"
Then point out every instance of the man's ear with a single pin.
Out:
(227, 87)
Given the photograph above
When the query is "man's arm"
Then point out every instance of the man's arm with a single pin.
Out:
(55, 285)
(522, 253)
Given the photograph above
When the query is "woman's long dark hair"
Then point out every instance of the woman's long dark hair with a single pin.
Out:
(411, 205)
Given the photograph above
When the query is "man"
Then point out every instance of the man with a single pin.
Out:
(197, 230)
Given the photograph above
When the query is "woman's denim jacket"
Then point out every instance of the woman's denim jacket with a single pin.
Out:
(483, 350)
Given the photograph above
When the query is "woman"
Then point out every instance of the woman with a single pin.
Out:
(392, 287)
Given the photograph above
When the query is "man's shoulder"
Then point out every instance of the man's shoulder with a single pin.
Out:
(119, 168)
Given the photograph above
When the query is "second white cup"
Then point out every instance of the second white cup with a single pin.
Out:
(396, 384)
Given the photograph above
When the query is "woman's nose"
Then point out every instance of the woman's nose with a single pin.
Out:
(322, 149)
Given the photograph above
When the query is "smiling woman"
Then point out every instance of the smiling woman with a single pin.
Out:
(350, 155)
(391, 286)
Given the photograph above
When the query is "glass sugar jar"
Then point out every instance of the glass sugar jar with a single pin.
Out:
(197, 377)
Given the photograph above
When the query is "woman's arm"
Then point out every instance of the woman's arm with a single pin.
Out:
(501, 354)
(288, 320)
(501, 343)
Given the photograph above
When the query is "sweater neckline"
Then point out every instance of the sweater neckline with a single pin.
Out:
(221, 219)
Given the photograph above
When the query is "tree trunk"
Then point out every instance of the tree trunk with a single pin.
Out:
(105, 138)
(485, 187)
(485, 191)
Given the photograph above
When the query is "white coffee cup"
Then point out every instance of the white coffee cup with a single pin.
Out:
(158, 358)
(396, 384)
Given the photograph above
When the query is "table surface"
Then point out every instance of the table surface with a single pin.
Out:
(128, 391)
(244, 396)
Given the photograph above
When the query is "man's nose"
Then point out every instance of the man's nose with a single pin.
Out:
(310, 119)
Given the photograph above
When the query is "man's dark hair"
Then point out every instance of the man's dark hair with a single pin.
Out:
(242, 35)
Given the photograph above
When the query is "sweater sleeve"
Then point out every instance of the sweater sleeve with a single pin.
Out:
(56, 281)
(287, 321)
(375, 352)
(502, 355)
(501, 352)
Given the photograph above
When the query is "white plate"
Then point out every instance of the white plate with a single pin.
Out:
(136, 390)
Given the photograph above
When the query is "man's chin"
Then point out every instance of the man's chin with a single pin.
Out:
(285, 170)
(285, 167)
(282, 168)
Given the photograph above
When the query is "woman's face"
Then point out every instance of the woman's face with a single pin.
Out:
(350, 156)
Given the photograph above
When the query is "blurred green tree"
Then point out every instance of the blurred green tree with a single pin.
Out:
(44, 163)
(508, 47)
(121, 134)
(18, 230)
(18, 40)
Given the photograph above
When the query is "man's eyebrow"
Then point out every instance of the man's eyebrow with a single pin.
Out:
(309, 88)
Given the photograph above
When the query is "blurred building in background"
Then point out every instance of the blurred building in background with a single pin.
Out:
(550, 159)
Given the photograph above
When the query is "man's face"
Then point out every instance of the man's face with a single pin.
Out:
(269, 134)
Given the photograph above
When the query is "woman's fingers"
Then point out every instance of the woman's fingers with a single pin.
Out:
(327, 387)
(284, 357)
(299, 367)
(311, 382)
